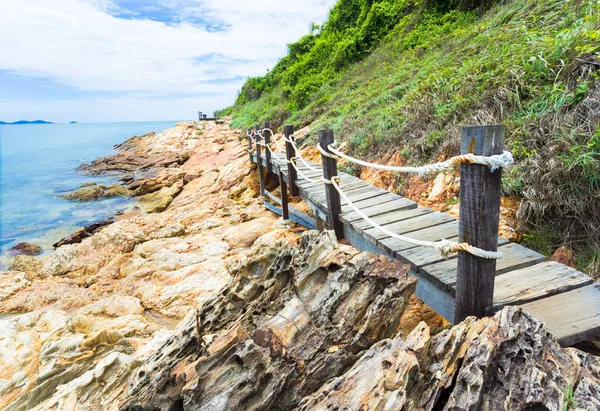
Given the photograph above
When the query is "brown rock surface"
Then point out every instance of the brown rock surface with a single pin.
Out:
(92, 191)
(209, 304)
(25, 249)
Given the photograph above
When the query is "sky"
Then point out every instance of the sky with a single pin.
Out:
(139, 60)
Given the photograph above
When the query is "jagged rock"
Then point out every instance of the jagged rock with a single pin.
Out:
(27, 263)
(89, 192)
(508, 362)
(83, 232)
(25, 249)
(160, 200)
(291, 319)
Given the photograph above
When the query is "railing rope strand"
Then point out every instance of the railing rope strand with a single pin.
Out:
(494, 162)
(445, 247)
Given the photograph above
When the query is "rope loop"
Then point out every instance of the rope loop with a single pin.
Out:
(494, 162)
(326, 154)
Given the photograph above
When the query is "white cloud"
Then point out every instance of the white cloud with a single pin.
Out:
(81, 45)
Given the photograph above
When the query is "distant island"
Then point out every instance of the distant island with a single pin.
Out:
(28, 122)
(72, 122)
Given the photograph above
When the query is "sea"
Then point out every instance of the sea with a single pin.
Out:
(37, 162)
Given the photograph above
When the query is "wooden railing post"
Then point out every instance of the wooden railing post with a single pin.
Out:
(288, 132)
(250, 145)
(285, 209)
(480, 191)
(261, 177)
(267, 134)
(334, 205)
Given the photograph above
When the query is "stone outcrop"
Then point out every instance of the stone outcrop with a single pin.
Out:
(291, 319)
(93, 191)
(25, 249)
(210, 304)
(83, 232)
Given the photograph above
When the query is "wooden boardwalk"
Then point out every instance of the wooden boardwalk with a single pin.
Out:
(564, 298)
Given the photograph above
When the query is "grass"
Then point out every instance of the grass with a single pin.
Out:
(530, 65)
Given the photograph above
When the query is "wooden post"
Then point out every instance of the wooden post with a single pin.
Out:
(285, 210)
(261, 177)
(288, 131)
(480, 192)
(250, 145)
(267, 134)
(334, 205)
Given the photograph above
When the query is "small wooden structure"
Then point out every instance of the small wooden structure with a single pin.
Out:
(462, 285)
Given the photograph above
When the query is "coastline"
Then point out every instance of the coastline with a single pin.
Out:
(211, 303)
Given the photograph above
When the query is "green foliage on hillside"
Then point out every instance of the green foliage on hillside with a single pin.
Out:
(404, 75)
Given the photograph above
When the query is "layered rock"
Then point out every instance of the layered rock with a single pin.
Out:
(211, 305)
(155, 267)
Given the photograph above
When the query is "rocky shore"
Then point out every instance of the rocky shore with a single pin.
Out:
(201, 300)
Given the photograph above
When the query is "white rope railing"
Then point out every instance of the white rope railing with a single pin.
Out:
(494, 162)
(292, 161)
(445, 247)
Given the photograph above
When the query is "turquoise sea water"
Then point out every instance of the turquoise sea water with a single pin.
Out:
(39, 161)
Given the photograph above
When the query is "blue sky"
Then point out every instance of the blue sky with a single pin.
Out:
(139, 60)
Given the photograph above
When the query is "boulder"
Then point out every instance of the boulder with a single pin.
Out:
(92, 191)
(83, 232)
(160, 200)
(25, 249)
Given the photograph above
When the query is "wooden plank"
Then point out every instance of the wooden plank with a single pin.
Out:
(480, 192)
(358, 193)
(571, 317)
(406, 226)
(302, 221)
(535, 282)
(391, 217)
(515, 257)
(440, 301)
(387, 205)
(372, 202)
(359, 196)
(420, 256)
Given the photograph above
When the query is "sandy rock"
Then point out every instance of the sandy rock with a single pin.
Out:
(244, 234)
(114, 306)
(25, 249)
(12, 282)
(27, 263)
(160, 200)
(91, 192)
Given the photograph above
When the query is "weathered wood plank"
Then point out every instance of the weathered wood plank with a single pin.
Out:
(515, 257)
(535, 282)
(406, 226)
(372, 202)
(385, 206)
(420, 256)
(571, 317)
(391, 217)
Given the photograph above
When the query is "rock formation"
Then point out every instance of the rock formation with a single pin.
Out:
(210, 304)
(25, 249)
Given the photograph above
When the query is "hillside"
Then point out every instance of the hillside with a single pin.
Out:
(397, 78)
